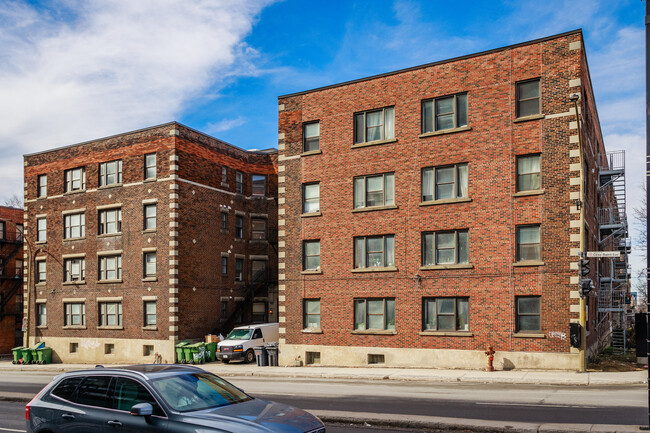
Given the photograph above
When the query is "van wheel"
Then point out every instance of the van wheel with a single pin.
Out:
(250, 356)
(225, 361)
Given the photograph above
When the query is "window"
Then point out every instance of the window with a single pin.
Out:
(149, 216)
(440, 183)
(224, 221)
(42, 185)
(377, 314)
(528, 100)
(40, 271)
(149, 313)
(127, 393)
(239, 269)
(528, 314)
(224, 175)
(239, 182)
(528, 243)
(19, 232)
(239, 227)
(41, 314)
(93, 391)
(67, 387)
(374, 125)
(445, 314)
(259, 184)
(224, 309)
(110, 173)
(75, 269)
(2, 266)
(75, 225)
(149, 264)
(150, 166)
(41, 230)
(311, 255)
(110, 267)
(75, 179)
(528, 172)
(19, 268)
(110, 221)
(3, 230)
(311, 137)
(311, 198)
(224, 266)
(73, 348)
(258, 228)
(258, 271)
(110, 314)
(444, 113)
(445, 248)
(376, 190)
(374, 251)
(311, 313)
(75, 314)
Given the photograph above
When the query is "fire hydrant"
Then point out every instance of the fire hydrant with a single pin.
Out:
(490, 359)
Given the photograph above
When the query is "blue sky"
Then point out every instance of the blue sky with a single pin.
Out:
(75, 70)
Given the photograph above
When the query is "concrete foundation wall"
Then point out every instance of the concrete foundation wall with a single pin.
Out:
(426, 358)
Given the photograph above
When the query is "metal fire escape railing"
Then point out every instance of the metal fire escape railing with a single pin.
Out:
(10, 244)
(613, 236)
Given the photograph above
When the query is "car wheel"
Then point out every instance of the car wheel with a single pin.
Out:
(225, 361)
(250, 356)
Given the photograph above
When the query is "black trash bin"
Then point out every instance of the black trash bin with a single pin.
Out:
(262, 356)
(272, 350)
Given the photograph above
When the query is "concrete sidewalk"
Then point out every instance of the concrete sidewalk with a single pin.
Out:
(529, 377)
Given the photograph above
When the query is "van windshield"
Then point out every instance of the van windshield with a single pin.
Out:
(239, 334)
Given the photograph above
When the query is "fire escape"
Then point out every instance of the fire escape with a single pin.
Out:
(10, 283)
(613, 236)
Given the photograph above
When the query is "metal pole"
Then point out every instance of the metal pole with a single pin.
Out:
(647, 171)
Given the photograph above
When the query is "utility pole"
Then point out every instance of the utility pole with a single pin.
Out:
(647, 172)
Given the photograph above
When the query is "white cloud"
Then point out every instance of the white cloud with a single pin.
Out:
(90, 69)
(224, 125)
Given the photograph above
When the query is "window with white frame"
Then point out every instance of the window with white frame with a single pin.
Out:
(150, 211)
(529, 246)
(149, 309)
(110, 173)
(239, 227)
(41, 229)
(239, 182)
(150, 166)
(445, 247)
(41, 271)
(311, 255)
(19, 268)
(528, 100)
(311, 137)
(258, 228)
(445, 314)
(75, 269)
(528, 314)
(75, 225)
(224, 221)
(374, 190)
(447, 112)
(446, 182)
(42, 185)
(110, 267)
(374, 251)
(311, 197)
(224, 174)
(41, 314)
(110, 221)
(239, 269)
(149, 264)
(528, 172)
(75, 314)
(75, 179)
(259, 184)
(311, 313)
(374, 314)
(374, 125)
(3, 230)
(110, 314)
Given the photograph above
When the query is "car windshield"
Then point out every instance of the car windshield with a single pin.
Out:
(239, 334)
(197, 391)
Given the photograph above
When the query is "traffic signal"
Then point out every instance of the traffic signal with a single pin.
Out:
(585, 286)
(584, 267)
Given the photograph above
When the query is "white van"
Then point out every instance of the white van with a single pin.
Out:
(241, 341)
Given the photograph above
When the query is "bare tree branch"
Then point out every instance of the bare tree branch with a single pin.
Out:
(14, 201)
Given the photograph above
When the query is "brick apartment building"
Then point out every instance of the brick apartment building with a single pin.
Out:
(428, 213)
(11, 278)
(146, 238)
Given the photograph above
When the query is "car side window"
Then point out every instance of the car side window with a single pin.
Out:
(67, 387)
(257, 334)
(93, 391)
(128, 393)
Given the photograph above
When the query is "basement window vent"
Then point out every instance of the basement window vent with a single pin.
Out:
(109, 349)
(375, 359)
(312, 358)
(147, 350)
(74, 347)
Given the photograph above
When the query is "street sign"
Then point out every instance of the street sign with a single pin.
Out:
(600, 254)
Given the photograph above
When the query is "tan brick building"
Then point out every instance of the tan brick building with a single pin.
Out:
(428, 213)
(146, 238)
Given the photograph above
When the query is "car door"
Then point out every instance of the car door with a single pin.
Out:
(86, 410)
(127, 393)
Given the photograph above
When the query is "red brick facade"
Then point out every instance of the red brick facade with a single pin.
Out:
(491, 212)
(11, 277)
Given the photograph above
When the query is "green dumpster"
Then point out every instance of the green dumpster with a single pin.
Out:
(18, 354)
(33, 351)
(210, 352)
(27, 355)
(198, 353)
(44, 355)
(180, 358)
(187, 354)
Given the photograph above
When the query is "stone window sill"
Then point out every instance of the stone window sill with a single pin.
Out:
(74, 283)
(151, 179)
(149, 279)
(374, 332)
(445, 201)
(112, 185)
(109, 281)
(447, 333)
(224, 230)
(149, 230)
(239, 283)
(312, 271)
(525, 263)
(239, 239)
(76, 191)
(528, 193)
(109, 235)
(82, 238)
(445, 131)
(528, 118)
(41, 242)
(311, 152)
(373, 143)
(41, 327)
(376, 269)
(150, 328)
(443, 267)
(41, 284)
(224, 184)
(312, 331)
(75, 327)
(259, 241)
(528, 335)
(111, 328)
(311, 214)
(374, 208)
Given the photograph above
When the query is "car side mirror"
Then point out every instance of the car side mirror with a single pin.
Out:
(141, 409)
